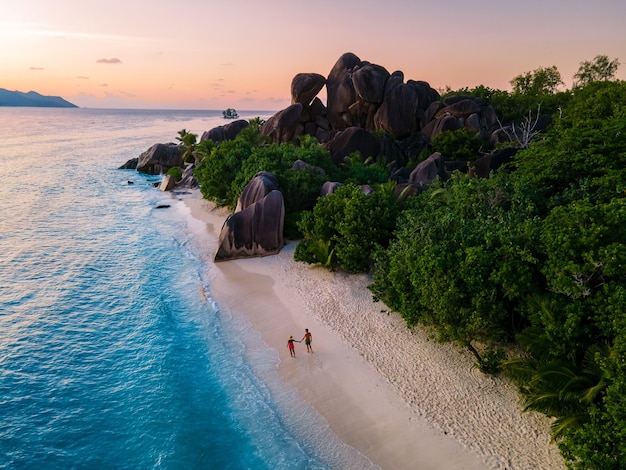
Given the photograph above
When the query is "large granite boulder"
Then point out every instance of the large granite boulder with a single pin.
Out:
(473, 124)
(226, 132)
(329, 187)
(391, 151)
(431, 112)
(168, 183)
(254, 231)
(483, 166)
(425, 93)
(263, 183)
(353, 139)
(369, 81)
(317, 113)
(159, 158)
(188, 180)
(340, 91)
(405, 190)
(283, 126)
(397, 114)
(461, 107)
(395, 79)
(305, 87)
(490, 117)
(445, 123)
(427, 171)
(130, 164)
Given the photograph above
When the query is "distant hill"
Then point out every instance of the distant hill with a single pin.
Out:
(32, 98)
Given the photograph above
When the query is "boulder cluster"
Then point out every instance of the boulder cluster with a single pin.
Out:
(376, 113)
(368, 110)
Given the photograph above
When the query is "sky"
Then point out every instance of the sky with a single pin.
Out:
(210, 54)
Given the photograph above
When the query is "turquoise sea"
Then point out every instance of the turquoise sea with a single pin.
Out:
(113, 354)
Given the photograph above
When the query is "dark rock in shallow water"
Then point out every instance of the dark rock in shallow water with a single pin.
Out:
(130, 164)
(168, 183)
(162, 206)
(159, 158)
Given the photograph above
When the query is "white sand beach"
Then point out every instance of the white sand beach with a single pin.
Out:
(402, 400)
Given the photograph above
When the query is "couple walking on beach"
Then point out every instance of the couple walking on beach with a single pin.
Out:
(307, 338)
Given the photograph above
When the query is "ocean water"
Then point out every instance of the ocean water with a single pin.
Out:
(112, 352)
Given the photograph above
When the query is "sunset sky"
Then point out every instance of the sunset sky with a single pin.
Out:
(207, 54)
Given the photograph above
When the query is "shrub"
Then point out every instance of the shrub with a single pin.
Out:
(348, 225)
(459, 145)
(176, 172)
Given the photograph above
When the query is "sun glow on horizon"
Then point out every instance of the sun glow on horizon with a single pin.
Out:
(182, 57)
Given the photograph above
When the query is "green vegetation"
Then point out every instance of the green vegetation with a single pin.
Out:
(225, 168)
(345, 228)
(176, 173)
(538, 256)
(600, 69)
(459, 145)
(364, 172)
(188, 140)
(543, 81)
(532, 259)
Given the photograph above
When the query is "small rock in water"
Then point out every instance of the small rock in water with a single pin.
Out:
(162, 206)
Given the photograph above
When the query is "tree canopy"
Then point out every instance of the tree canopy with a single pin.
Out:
(542, 81)
(601, 68)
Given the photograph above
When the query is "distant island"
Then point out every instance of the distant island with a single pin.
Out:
(32, 98)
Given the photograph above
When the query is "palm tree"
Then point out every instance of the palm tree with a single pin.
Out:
(561, 388)
(188, 140)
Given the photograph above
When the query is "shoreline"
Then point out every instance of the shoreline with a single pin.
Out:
(397, 397)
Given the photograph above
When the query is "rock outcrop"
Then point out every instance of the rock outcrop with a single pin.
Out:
(188, 180)
(226, 132)
(256, 227)
(352, 139)
(285, 125)
(379, 114)
(429, 170)
(330, 187)
(305, 87)
(158, 159)
(368, 111)
(168, 183)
